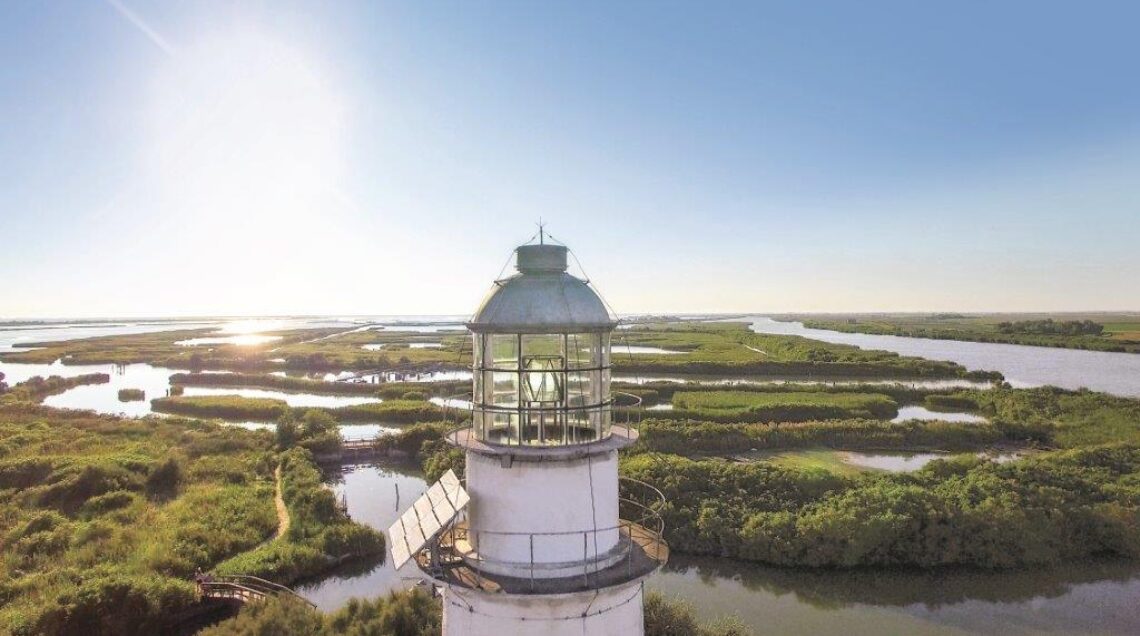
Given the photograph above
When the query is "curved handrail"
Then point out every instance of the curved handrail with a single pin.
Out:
(644, 533)
(255, 586)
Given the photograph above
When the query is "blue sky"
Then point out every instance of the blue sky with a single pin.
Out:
(347, 158)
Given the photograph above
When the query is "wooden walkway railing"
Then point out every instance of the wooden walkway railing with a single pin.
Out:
(243, 589)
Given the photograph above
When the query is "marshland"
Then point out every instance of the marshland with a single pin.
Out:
(785, 461)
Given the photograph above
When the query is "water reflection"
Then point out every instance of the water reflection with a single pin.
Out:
(59, 331)
(243, 339)
(908, 413)
(292, 399)
(619, 349)
(1022, 365)
(890, 462)
(1095, 597)
(397, 345)
(104, 398)
(950, 383)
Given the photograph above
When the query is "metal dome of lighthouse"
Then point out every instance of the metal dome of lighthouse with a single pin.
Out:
(542, 297)
(541, 360)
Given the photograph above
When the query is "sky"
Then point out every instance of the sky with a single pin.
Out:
(348, 158)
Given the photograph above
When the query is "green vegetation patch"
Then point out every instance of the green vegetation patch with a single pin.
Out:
(103, 520)
(788, 406)
(131, 395)
(408, 613)
(959, 511)
(236, 407)
(320, 533)
(230, 407)
(274, 382)
(1098, 332)
(695, 437)
(732, 348)
(36, 389)
(1062, 418)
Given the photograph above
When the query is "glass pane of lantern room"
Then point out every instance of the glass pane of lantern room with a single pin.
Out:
(579, 391)
(545, 345)
(477, 349)
(505, 350)
(582, 350)
(581, 388)
(505, 390)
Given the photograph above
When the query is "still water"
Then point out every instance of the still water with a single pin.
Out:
(908, 413)
(1081, 598)
(1117, 373)
(619, 349)
(907, 462)
(949, 383)
(376, 495)
(396, 346)
(155, 382)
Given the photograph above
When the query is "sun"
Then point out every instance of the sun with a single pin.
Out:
(247, 139)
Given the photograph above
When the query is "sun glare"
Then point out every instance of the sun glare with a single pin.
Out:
(247, 139)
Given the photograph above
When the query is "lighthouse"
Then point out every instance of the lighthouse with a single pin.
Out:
(542, 537)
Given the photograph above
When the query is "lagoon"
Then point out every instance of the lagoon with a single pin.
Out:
(1022, 365)
(1080, 598)
(908, 413)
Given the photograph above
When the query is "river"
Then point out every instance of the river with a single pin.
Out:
(1022, 366)
(1078, 598)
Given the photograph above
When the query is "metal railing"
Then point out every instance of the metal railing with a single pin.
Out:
(243, 588)
(624, 411)
(640, 547)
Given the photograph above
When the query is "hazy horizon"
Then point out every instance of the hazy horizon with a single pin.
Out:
(358, 158)
(448, 317)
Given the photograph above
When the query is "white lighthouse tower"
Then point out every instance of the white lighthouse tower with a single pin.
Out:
(543, 538)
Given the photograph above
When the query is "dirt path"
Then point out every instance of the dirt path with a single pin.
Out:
(282, 511)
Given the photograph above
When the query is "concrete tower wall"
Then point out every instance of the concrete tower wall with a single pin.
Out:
(615, 611)
(566, 496)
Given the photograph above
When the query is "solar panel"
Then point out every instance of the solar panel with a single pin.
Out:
(429, 514)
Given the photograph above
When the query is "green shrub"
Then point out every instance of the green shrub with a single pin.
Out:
(950, 403)
(131, 395)
(691, 437)
(792, 406)
(107, 502)
(408, 613)
(224, 406)
(675, 617)
(1042, 509)
(163, 481)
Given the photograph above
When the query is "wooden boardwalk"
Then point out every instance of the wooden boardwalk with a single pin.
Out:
(352, 450)
(243, 589)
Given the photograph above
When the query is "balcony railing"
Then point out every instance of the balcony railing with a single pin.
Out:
(640, 550)
(624, 411)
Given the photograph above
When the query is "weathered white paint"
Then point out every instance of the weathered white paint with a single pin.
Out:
(558, 501)
(615, 611)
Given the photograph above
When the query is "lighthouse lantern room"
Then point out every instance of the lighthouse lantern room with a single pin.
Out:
(543, 536)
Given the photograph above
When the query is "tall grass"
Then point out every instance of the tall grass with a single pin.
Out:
(793, 406)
